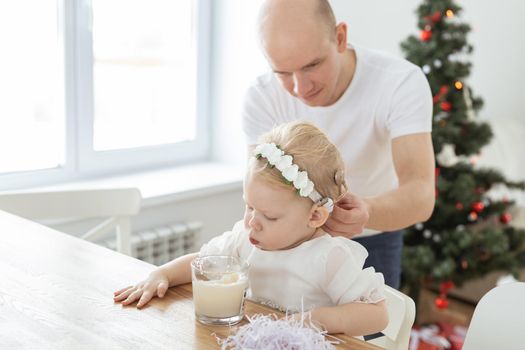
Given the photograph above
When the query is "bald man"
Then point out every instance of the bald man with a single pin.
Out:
(375, 107)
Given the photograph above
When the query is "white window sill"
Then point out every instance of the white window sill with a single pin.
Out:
(167, 185)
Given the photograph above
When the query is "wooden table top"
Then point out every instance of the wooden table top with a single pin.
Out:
(56, 292)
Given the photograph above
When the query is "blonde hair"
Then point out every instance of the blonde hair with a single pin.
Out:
(311, 151)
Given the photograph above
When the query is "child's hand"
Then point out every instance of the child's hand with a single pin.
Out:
(156, 284)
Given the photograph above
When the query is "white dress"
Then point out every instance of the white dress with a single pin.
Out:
(324, 271)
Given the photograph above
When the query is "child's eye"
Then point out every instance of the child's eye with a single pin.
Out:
(249, 208)
(271, 219)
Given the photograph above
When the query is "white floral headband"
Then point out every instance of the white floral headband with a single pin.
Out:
(292, 174)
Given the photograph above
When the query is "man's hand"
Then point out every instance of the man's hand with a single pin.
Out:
(349, 217)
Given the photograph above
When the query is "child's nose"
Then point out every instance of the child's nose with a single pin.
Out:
(254, 223)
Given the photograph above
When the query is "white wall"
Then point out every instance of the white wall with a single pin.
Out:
(236, 62)
(217, 213)
(498, 78)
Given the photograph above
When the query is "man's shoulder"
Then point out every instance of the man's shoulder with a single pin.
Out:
(267, 88)
(383, 61)
(264, 81)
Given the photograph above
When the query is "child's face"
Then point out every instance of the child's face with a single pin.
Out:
(275, 218)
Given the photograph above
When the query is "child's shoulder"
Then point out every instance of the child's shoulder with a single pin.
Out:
(341, 241)
(238, 227)
(340, 246)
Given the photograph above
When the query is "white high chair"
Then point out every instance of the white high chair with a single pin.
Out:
(401, 313)
(117, 204)
(499, 319)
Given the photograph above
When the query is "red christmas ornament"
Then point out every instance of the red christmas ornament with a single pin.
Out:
(434, 18)
(459, 206)
(425, 35)
(505, 218)
(441, 302)
(438, 171)
(442, 91)
(478, 207)
(445, 286)
(446, 106)
(472, 216)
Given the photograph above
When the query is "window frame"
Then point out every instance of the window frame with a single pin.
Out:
(81, 161)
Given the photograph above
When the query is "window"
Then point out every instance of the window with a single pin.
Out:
(94, 87)
(32, 114)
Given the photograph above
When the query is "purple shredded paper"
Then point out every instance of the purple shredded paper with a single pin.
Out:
(271, 333)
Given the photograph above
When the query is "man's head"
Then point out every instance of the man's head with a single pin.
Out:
(306, 49)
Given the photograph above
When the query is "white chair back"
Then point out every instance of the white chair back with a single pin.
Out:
(498, 321)
(117, 204)
(401, 313)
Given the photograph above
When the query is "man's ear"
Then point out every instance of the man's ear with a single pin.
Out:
(318, 216)
(340, 37)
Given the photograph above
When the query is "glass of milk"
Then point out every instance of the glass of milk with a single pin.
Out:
(219, 284)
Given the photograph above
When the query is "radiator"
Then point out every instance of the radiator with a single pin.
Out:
(162, 244)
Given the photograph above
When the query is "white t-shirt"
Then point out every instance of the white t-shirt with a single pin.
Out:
(387, 98)
(324, 271)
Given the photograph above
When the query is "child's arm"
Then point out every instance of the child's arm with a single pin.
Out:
(353, 319)
(171, 274)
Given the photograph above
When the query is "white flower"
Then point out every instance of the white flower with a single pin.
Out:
(301, 180)
(275, 156)
(291, 172)
(284, 162)
(307, 190)
(267, 148)
(259, 149)
(269, 151)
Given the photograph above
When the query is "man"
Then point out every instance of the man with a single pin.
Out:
(376, 108)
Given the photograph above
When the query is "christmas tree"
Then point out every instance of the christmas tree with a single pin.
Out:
(468, 234)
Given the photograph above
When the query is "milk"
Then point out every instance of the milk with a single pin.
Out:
(220, 298)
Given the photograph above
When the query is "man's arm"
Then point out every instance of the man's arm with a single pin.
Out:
(412, 202)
